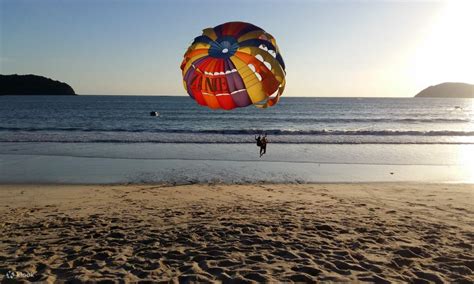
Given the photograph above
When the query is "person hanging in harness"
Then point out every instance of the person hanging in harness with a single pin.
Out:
(262, 143)
(263, 147)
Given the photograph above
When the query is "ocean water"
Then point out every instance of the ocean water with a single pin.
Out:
(113, 139)
(126, 119)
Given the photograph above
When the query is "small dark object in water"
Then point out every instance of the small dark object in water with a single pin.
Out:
(391, 173)
(154, 113)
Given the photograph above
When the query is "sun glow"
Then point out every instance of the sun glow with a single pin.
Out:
(446, 54)
(466, 160)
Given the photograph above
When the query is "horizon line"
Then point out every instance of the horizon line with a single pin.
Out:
(165, 95)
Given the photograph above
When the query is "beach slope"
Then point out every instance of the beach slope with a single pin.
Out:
(375, 232)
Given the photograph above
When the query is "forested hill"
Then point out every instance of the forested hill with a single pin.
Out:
(33, 85)
(448, 90)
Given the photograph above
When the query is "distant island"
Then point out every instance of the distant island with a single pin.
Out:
(448, 90)
(33, 85)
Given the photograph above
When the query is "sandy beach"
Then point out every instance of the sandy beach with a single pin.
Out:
(375, 232)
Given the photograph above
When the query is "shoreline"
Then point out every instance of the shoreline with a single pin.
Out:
(382, 183)
(375, 232)
(110, 163)
(31, 169)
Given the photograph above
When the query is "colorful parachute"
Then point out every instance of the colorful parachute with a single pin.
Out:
(234, 65)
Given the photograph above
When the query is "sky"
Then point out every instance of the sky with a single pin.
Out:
(330, 48)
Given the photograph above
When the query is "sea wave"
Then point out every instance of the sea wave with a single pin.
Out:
(310, 119)
(276, 132)
(120, 141)
(182, 138)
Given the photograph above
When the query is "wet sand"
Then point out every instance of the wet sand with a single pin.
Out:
(376, 232)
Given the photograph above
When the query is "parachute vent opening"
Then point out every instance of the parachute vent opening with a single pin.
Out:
(274, 95)
(254, 70)
(270, 51)
(267, 64)
(225, 50)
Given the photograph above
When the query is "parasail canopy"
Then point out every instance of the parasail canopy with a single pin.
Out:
(232, 65)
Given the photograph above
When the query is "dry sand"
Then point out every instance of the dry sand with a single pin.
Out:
(334, 232)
